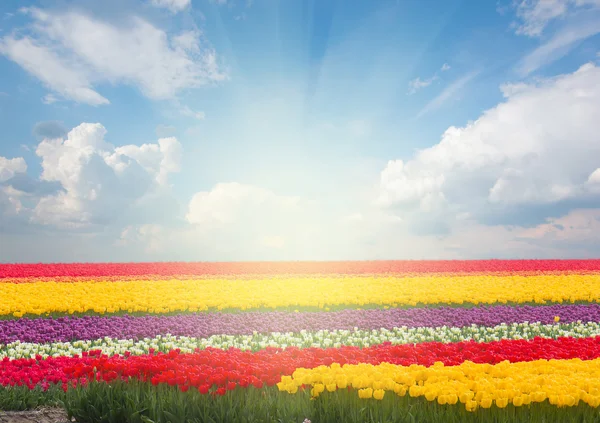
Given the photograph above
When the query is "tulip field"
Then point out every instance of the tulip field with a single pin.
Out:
(379, 341)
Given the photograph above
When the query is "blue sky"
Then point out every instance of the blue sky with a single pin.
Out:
(270, 130)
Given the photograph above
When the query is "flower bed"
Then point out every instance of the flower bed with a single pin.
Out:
(370, 341)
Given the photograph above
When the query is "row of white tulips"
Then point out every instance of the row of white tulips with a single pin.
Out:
(304, 339)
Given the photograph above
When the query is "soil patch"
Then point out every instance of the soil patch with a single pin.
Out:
(42, 415)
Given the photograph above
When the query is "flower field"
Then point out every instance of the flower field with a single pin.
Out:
(418, 341)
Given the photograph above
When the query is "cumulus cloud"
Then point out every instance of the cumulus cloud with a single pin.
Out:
(99, 181)
(71, 53)
(538, 148)
(10, 167)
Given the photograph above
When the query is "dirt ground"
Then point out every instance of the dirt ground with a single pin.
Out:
(43, 415)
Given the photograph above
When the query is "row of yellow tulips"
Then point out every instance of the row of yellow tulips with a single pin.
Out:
(561, 382)
(199, 295)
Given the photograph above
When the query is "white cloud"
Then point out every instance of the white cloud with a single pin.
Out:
(416, 84)
(594, 177)
(49, 99)
(174, 6)
(447, 94)
(71, 53)
(159, 159)
(535, 15)
(511, 89)
(538, 147)
(560, 44)
(568, 22)
(148, 237)
(10, 167)
(186, 111)
(100, 181)
(577, 227)
(593, 182)
(63, 76)
(10, 198)
(228, 203)
(10, 204)
(241, 220)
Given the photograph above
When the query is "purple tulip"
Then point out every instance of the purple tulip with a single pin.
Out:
(201, 325)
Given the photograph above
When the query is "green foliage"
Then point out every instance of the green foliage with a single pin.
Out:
(139, 402)
(19, 398)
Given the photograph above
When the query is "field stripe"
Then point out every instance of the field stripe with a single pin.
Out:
(305, 339)
(561, 382)
(203, 325)
(99, 270)
(204, 295)
(268, 277)
(268, 365)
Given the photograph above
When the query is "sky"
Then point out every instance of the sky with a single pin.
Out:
(237, 130)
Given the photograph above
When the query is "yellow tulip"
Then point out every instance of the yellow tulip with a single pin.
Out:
(466, 396)
(485, 402)
(365, 393)
(378, 394)
(452, 398)
(471, 405)
(430, 395)
(501, 402)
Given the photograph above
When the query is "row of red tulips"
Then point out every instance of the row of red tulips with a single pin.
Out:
(229, 368)
(102, 270)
